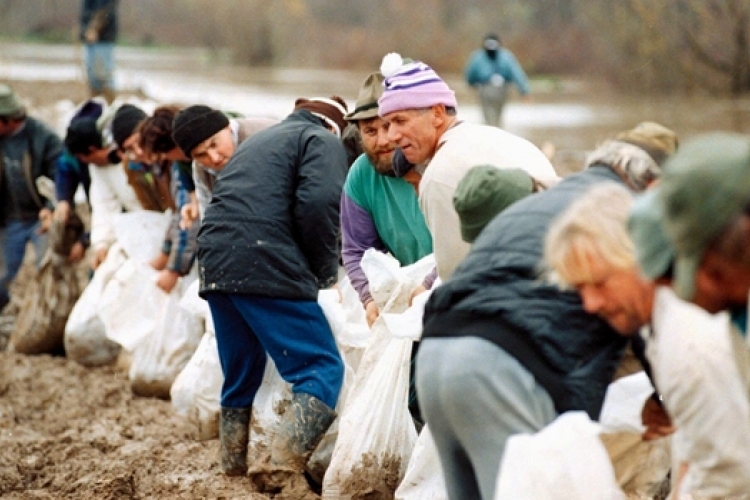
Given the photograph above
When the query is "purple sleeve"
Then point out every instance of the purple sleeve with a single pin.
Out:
(429, 280)
(358, 233)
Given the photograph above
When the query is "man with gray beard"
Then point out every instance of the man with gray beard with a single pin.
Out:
(378, 209)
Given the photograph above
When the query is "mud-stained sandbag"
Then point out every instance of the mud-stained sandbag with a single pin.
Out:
(196, 392)
(85, 339)
(50, 295)
(424, 475)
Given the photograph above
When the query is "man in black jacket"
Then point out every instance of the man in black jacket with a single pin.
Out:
(29, 150)
(268, 244)
(502, 351)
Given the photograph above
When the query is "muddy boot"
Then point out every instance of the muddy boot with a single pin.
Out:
(234, 431)
(302, 426)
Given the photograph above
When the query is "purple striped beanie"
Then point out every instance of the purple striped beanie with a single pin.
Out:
(411, 86)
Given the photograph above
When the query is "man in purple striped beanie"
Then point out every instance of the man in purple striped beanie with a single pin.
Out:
(420, 109)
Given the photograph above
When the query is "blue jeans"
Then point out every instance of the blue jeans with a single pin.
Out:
(100, 66)
(294, 333)
(13, 239)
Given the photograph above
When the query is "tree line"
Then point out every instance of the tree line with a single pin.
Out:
(642, 45)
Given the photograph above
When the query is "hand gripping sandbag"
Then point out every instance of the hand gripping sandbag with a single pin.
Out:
(85, 338)
(196, 392)
(376, 431)
(565, 458)
(50, 295)
(162, 355)
(424, 475)
(640, 466)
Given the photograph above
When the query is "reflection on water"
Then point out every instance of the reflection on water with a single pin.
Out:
(574, 116)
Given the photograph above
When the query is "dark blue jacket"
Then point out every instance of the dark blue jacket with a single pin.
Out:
(496, 294)
(71, 173)
(271, 229)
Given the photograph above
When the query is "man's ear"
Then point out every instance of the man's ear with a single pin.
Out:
(438, 114)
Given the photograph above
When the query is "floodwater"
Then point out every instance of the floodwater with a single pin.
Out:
(572, 114)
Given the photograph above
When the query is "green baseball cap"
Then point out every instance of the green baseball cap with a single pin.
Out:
(10, 104)
(704, 186)
(653, 250)
(484, 192)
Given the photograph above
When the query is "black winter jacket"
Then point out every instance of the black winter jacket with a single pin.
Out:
(271, 229)
(496, 294)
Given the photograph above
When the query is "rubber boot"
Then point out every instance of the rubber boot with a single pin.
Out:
(302, 426)
(234, 431)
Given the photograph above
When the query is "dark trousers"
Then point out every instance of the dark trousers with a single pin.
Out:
(294, 333)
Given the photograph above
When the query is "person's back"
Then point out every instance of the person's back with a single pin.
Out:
(276, 201)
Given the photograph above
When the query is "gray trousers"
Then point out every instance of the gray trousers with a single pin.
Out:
(474, 395)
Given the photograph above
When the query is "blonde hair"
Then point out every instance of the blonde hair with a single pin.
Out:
(590, 233)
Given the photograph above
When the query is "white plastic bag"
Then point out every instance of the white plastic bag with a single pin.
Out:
(272, 398)
(141, 233)
(640, 466)
(196, 392)
(85, 338)
(376, 431)
(161, 356)
(424, 475)
(566, 459)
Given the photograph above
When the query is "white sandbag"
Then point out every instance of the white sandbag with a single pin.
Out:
(376, 431)
(566, 457)
(623, 403)
(408, 325)
(196, 392)
(424, 475)
(141, 233)
(85, 339)
(131, 304)
(640, 466)
(162, 355)
(272, 398)
(193, 303)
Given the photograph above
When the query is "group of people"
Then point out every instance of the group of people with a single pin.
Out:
(542, 283)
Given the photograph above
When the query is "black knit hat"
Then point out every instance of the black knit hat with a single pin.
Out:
(125, 121)
(195, 124)
(81, 135)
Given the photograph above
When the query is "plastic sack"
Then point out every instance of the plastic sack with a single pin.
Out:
(141, 233)
(566, 456)
(50, 294)
(85, 339)
(376, 431)
(424, 475)
(640, 466)
(272, 398)
(196, 392)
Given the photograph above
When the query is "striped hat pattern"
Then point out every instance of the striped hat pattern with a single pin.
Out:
(412, 86)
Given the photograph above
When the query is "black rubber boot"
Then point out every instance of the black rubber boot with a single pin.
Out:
(234, 432)
(302, 426)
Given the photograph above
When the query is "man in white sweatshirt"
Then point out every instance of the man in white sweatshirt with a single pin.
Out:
(421, 111)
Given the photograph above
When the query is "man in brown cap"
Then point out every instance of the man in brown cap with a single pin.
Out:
(28, 150)
(504, 352)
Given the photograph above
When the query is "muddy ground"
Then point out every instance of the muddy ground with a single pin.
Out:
(69, 432)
